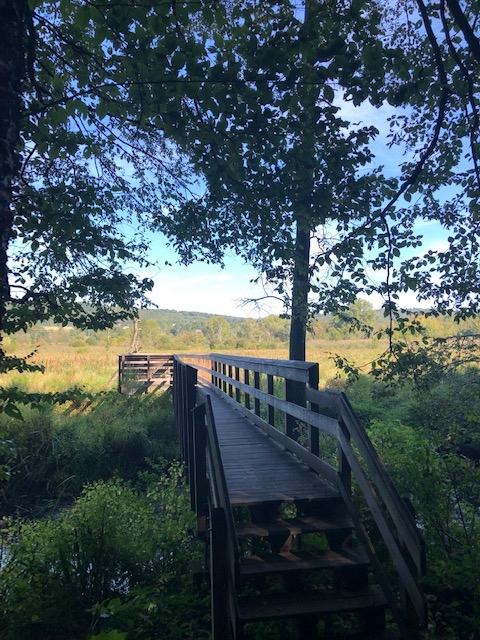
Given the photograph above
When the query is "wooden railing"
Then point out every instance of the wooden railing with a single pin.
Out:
(144, 372)
(209, 494)
(281, 397)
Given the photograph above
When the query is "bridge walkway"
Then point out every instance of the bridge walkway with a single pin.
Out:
(283, 536)
(257, 469)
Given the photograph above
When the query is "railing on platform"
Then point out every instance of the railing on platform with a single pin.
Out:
(281, 397)
(144, 372)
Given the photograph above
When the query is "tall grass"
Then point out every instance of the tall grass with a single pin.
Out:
(91, 369)
(55, 451)
(94, 368)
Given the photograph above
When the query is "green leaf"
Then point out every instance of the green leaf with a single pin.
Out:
(12, 411)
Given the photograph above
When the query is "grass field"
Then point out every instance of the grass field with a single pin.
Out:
(358, 352)
(94, 368)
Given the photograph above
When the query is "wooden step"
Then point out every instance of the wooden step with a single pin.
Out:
(288, 561)
(292, 526)
(282, 605)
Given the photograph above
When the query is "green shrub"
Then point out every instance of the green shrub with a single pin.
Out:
(451, 409)
(110, 562)
(55, 451)
(443, 489)
(428, 437)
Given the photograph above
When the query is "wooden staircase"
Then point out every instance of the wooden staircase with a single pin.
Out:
(300, 563)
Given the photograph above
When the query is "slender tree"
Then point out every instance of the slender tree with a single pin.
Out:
(278, 159)
(285, 171)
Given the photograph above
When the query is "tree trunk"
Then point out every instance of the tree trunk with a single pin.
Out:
(300, 287)
(304, 216)
(12, 69)
(134, 337)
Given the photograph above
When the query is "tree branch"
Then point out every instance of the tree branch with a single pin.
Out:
(471, 97)
(463, 24)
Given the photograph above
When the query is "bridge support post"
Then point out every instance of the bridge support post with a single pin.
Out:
(121, 365)
(199, 489)
(295, 391)
(221, 629)
(184, 392)
(189, 403)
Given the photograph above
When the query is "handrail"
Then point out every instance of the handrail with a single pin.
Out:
(232, 377)
(210, 497)
(218, 485)
(137, 368)
(396, 507)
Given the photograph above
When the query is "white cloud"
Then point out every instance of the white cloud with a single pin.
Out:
(209, 289)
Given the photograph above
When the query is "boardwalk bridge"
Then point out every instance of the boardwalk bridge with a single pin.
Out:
(298, 514)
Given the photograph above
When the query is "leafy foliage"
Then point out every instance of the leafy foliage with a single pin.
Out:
(279, 159)
(421, 436)
(270, 111)
(107, 563)
(86, 158)
(277, 129)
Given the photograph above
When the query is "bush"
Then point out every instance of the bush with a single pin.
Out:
(443, 489)
(110, 562)
(451, 409)
(428, 437)
(56, 451)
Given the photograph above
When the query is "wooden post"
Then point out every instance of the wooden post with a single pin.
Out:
(294, 392)
(213, 367)
(247, 382)
(189, 399)
(237, 390)
(224, 382)
(256, 384)
(344, 468)
(199, 490)
(271, 408)
(314, 433)
(219, 575)
(121, 360)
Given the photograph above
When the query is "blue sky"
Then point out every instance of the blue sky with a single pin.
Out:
(207, 288)
(211, 289)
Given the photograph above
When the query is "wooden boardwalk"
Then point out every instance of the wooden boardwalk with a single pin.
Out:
(284, 539)
(258, 469)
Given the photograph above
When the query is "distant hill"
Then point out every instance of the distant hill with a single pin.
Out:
(169, 318)
(172, 321)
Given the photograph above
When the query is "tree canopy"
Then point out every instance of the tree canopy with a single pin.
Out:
(239, 125)
(285, 171)
(84, 158)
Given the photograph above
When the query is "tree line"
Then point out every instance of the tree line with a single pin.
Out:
(174, 331)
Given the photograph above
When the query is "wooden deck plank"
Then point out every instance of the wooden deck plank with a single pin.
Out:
(287, 561)
(257, 469)
(280, 605)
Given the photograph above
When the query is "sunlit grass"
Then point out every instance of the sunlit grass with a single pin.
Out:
(91, 369)
(94, 368)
